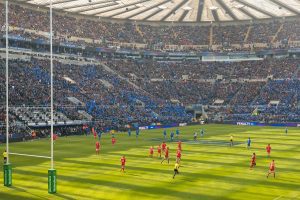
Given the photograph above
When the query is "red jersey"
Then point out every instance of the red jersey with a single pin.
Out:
(268, 148)
(97, 145)
(253, 159)
(151, 150)
(272, 166)
(113, 140)
(167, 153)
(179, 145)
(178, 154)
(159, 149)
(54, 136)
(164, 145)
(123, 161)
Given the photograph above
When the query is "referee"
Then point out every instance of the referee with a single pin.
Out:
(176, 167)
(5, 156)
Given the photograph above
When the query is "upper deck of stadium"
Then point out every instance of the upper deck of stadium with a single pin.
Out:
(177, 11)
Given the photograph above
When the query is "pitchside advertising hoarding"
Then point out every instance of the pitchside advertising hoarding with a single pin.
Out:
(267, 124)
(162, 126)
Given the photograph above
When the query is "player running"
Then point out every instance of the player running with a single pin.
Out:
(202, 132)
(248, 143)
(177, 133)
(123, 161)
(231, 141)
(54, 138)
(176, 167)
(165, 133)
(178, 156)
(253, 161)
(163, 146)
(172, 135)
(286, 130)
(159, 151)
(97, 147)
(113, 140)
(179, 145)
(271, 169)
(268, 148)
(151, 151)
(195, 136)
(166, 156)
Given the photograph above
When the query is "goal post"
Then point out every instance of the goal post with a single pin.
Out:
(51, 181)
(7, 175)
(51, 171)
(7, 167)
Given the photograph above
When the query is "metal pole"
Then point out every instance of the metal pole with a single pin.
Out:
(51, 171)
(51, 84)
(6, 48)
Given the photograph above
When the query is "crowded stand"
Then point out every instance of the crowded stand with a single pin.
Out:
(263, 33)
(113, 92)
(289, 32)
(230, 34)
(105, 95)
(105, 33)
(261, 69)
(116, 98)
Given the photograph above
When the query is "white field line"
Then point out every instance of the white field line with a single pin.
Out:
(29, 155)
(277, 197)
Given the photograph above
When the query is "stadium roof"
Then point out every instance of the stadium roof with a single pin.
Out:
(178, 10)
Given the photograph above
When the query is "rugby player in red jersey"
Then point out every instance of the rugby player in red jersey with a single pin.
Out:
(151, 151)
(163, 146)
(97, 147)
(166, 156)
(113, 141)
(159, 151)
(123, 162)
(268, 148)
(179, 145)
(253, 161)
(178, 156)
(271, 169)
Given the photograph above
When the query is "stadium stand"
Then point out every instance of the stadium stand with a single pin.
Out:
(116, 91)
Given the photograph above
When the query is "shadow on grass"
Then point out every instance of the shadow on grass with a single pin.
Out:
(134, 187)
(63, 196)
(27, 191)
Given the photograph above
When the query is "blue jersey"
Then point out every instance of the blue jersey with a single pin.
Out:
(172, 134)
(248, 142)
(165, 132)
(177, 132)
(129, 132)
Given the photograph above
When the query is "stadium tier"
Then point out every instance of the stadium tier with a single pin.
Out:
(32, 23)
(121, 92)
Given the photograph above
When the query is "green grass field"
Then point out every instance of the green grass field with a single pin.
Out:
(210, 169)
